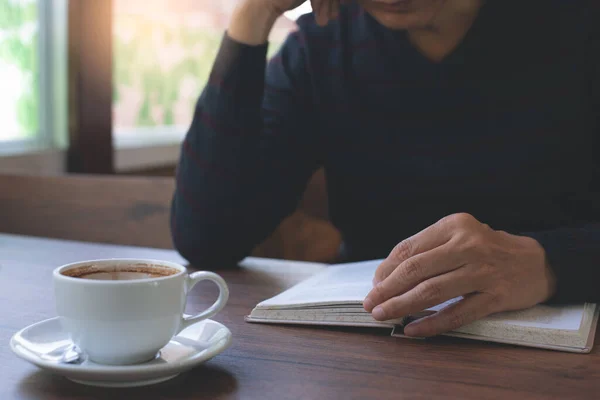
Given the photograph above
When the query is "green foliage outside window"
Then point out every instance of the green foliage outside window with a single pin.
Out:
(159, 75)
(137, 65)
(19, 48)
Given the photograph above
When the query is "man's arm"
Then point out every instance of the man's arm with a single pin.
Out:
(574, 252)
(493, 270)
(248, 155)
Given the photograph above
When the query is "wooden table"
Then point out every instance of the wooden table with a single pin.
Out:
(275, 362)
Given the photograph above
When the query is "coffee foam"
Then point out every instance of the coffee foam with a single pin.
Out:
(155, 271)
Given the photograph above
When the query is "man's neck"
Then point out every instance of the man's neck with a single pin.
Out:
(447, 28)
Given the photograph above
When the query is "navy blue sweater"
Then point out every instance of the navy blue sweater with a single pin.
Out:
(504, 128)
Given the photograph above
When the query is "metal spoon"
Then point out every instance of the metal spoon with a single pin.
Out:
(68, 354)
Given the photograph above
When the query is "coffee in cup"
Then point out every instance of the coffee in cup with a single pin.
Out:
(123, 272)
(124, 311)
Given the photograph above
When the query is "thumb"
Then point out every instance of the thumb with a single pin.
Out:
(321, 11)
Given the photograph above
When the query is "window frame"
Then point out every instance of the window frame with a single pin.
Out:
(76, 121)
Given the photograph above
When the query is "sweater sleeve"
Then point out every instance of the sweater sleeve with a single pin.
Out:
(574, 255)
(574, 252)
(248, 155)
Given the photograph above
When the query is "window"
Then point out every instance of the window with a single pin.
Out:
(164, 51)
(19, 90)
(32, 104)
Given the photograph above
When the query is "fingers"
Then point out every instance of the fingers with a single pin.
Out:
(458, 314)
(320, 8)
(334, 9)
(412, 272)
(430, 293)
(429, 238)
(329, 10)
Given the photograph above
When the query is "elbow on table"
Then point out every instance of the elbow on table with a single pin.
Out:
(201, 250)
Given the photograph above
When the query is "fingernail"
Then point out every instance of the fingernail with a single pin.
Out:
(378, 313)
(368, 305)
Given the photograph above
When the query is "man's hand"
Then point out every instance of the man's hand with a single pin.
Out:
(252, 20)
(459, 256)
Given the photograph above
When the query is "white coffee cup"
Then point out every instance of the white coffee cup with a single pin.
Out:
(127, 321)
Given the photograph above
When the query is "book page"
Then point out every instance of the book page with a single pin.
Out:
(540, 317)
(544, 317)
(349, 284)
(338, 284)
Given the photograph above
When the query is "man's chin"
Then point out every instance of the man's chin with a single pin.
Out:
(401, 19)
(396, 22)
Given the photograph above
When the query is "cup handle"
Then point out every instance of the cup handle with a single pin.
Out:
(217, 306)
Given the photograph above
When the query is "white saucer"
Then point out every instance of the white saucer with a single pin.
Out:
(194, 345)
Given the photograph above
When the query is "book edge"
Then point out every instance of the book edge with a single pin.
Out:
(593, 329)
(383, 325)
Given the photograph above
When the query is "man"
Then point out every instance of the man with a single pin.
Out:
(459, 139)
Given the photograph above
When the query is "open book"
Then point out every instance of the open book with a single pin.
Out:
(334, 296)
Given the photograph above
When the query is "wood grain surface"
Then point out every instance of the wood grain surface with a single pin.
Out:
(134, 210)
(276, 362)
(121, 210)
